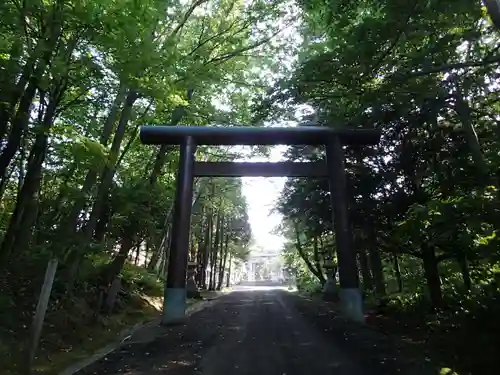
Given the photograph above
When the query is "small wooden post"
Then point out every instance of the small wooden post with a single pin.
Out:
(41, 309)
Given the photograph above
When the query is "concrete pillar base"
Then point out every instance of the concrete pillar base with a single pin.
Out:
(174, 306)
(352, 304)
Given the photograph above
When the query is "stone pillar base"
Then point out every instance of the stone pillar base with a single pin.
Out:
(352, 304)
(174, 306)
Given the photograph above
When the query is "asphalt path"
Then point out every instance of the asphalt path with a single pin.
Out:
(253, 330)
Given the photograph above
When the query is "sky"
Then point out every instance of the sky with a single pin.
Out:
(261, 194)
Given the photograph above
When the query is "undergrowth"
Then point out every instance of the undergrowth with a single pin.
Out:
(463, 336)
(72, 328)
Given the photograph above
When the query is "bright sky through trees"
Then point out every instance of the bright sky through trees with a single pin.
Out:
(261, 194)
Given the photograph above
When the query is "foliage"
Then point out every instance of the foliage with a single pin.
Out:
(424, 202)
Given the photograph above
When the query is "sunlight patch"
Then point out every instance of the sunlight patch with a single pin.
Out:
(447, 371)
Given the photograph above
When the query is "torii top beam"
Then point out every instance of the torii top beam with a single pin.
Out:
(253, 135)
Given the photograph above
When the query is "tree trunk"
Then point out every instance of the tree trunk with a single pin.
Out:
(28, 224)
(463, 110)
(213, 269)
(317, 262)
(102, 224)
(397, 273)
(70, 227)
(192, 247)
(137, 255)
(214, 252)
(147, 252)
(464, 269)
(112, 293)
(365, 270)
(109, 172)
(19, 127)
(56, 208)
(159, 264)
(12, 91)
(377, 271)
(431, 272)
(199, 264)
(98, 210)
(222, 235)
(304, 256)
(207, 249)
(228, 282)
(198, 239)
(164, 242)
(113, 269)
(5, 181)
(110, 122)
(223, 262)
(18, 225)
(20, 122)
(155, 257)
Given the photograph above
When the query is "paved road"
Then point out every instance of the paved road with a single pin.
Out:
(245, 332)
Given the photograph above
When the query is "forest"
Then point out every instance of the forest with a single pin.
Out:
(86, 208)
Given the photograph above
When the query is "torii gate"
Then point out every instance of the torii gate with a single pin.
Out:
(189, 137)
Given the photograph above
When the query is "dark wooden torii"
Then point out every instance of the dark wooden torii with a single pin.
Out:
(189, 137)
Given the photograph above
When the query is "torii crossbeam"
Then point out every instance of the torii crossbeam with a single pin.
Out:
(189, 137)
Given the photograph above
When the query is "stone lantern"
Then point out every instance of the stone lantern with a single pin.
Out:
(191, 287)
(330, 292)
